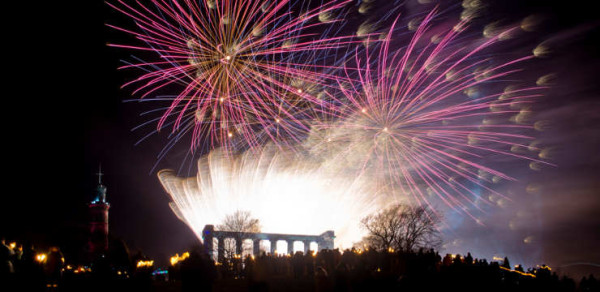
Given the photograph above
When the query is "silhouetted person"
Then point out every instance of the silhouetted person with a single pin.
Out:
(321, 280)
(469, 259)
(6, 265)
(258, 275)
(589, 284)
(457, 261)
(447, 260)
(506, 263)
(298, 265)
(341, 278)
(309, 264)
(53, 266)
(519, 268)
(197, 272)
(6, 256)
(30, 273)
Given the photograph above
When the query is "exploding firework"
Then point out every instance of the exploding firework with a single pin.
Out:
(233, 65)
(428, 114)
(286, 193)
(430, 120)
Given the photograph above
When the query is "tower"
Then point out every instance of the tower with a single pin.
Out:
(98, 220)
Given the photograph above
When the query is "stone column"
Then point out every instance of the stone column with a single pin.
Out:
(256, 247)
(306, 246)
(221, 248)
(207, 239)
(238, 245)
(273, 246)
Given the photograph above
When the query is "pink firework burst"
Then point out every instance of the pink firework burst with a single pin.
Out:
(428, 120)
(234, 64)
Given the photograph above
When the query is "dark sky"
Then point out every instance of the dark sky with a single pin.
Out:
(64, 114)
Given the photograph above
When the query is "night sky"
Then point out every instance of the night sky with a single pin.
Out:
(64, 115)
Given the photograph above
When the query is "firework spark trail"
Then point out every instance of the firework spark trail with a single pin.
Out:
(233, 59)
(269, 185)
(402, 122)
(406, 123)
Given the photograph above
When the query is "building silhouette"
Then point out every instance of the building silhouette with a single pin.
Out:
(98, 221)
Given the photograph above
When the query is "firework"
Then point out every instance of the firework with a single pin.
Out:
(426, 114)
(430, 119)
(287, 193)
(233, 65)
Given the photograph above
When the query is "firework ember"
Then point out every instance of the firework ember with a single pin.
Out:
(230, 61)
(429, 120)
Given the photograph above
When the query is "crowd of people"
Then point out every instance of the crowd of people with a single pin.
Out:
(369, 270)
(327, 270)
(23, 267)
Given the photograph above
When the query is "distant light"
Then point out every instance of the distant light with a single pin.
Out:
(145, 264)
(176, 258)
(518, 272)
(41, 257)
(160, 272)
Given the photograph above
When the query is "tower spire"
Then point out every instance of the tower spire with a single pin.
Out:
(100, 174)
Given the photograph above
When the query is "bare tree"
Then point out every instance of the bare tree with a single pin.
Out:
(402, 227)
(243, 223)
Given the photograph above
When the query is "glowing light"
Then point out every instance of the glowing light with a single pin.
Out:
(518, 272)
(145, 264)
(176, 258)
(529, 239)
(277, 190)
(41, 257)
(82, 269)
(544, 267)
(541, 51)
